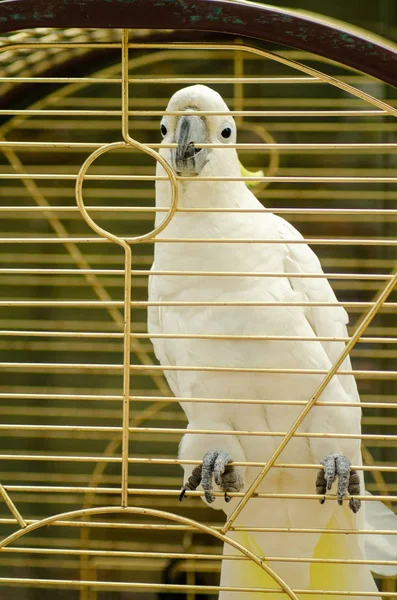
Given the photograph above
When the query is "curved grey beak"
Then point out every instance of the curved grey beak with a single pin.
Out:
(188, 158)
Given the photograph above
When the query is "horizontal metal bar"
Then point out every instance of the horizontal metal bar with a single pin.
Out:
(315, 530)
(176, 461)
(65, 458)
(145, 303)
(153, 273)
(283, 179)
(182, 588)
(183, 336)
(70, 428)
(55, 145)
(198, 179)
(289, 211)
(73, 177)
(171, 399)
(309, 435)
(169, 492)
(100, 240)
(329, 147)
(122, 170)
(118, 585)
(186, 556)
(115, 368)
(54, 240)
(63, 303)
(11, 46)
(159, 113)
(308, 241)
(167, 527)
(183, 431)
(262, 113)
(162, 80)
(87, 80)
(115, 525)
(204, 209)
(285, 338)
(50, 271)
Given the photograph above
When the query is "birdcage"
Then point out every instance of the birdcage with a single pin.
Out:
(89, 471)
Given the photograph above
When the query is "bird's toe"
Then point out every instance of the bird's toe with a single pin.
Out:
(337, 466)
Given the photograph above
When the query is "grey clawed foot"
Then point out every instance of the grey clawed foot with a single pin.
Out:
(227, 477)
(215, 465)
(337, 466)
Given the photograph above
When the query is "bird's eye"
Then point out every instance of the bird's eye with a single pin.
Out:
(226, 132)
(163, 130)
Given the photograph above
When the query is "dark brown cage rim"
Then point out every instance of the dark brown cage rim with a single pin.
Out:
(246, 19)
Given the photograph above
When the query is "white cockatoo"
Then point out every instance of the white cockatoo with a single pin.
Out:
(303, 323)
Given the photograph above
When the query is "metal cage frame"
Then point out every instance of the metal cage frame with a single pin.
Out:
(220, 21)
(350, 47)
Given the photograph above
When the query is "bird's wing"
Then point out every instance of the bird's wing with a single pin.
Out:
(329, 322)
(155, 326)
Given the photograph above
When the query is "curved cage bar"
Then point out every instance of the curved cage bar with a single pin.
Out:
(245, 19)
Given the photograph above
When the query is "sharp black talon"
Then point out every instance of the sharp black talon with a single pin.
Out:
(227, 498)
(354, 505)
(322, 500)
(209, 497)
(182, 494)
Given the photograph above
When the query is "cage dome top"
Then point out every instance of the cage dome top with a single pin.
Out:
(250, 20)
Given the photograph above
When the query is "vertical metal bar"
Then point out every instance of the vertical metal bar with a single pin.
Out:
(126, 374)
(238, 64)
(190, 581)
(127, 294)
(129, 142)
(124, 86)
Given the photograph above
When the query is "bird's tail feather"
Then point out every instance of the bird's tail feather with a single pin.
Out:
(323, 576)
(245, 574)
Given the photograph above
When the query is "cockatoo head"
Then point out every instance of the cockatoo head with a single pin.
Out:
(190, 130)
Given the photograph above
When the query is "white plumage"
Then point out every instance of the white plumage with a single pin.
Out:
(314, 321)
